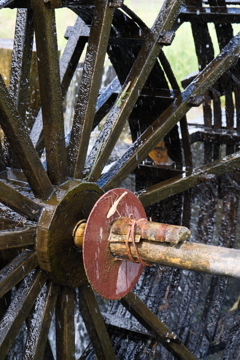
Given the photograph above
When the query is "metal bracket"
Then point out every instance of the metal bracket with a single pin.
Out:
(115, 3)
(195, 101)
(166, 37)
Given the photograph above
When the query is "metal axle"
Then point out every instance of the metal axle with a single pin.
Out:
(163, 244)
(176, 253)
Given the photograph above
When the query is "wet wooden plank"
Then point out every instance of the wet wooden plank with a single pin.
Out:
(20, 70)
(68, 64)
(21, 59)
(152, 323)
(71, 55)
(14, 272)
(106, 100)
(20, 237)
(132, 87)
(89, 87)
(18, 202)
(40, 322)
(210, 14)
(65, 331)
(19, 309)
(216, 136)
(207, 218)
(22, 146)
(205, 54)
(192, 283)
(183, 122)
(56, 4)
(184, 182)
(167, 120)
(94, 323)
(50, 90)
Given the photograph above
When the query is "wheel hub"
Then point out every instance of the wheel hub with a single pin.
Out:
(56, 251)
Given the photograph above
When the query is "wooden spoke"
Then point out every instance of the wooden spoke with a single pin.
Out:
(22, 146)
(14, 272)
(105, 101)
(131, 89)
(20, 70)
(90, 85)
(18, 202)
(21, 59)
(139, 310)
(72, 53)
(183, 122)
(21, 237)
(50, 90)
(65, 331)
(94, 323)
(40, 322)
(165, 122)
(68, 64)
(19, 309)
(188, 180)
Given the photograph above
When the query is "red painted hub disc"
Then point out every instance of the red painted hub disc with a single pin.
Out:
(110, 277)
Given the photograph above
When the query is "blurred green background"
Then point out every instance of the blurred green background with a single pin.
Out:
(181, 53)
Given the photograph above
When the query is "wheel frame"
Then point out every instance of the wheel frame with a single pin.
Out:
(63, 162)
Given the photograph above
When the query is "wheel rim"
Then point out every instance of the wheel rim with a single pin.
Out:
(43, 293)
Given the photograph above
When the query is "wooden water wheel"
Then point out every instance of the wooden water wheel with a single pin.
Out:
(49, 182)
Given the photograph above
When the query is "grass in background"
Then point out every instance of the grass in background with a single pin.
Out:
(64, 18)
(147, 10)
(7, 20)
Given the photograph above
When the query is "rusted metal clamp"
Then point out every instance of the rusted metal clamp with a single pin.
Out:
(166, 38)
(115, 3)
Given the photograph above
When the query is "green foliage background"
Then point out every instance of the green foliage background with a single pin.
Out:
(181, 53)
